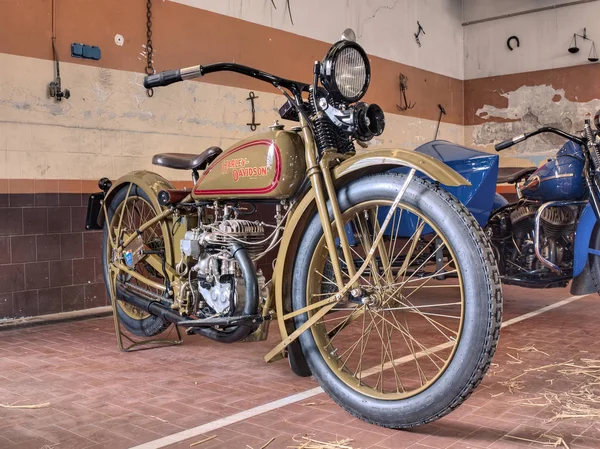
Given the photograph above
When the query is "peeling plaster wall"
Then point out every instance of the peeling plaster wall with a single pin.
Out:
(110, 127)
(529, 108)
(537, 84)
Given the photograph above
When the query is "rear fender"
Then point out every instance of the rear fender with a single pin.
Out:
(151, 183)
(581, 271)
(363, 163)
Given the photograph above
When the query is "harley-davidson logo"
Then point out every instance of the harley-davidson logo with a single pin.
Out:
(240, 170)
(249, 172)
(233, 163)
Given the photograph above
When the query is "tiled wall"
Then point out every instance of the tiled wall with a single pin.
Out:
(48, 262)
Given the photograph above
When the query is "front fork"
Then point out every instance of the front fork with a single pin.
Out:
(319, 174)
(320, 177)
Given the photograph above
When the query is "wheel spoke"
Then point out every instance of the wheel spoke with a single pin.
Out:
(349, 319)
(396, 303)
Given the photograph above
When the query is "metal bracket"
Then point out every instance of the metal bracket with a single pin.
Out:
(137, 344)
(253, 124)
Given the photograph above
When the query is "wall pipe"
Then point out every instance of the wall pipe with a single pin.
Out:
(530, 11)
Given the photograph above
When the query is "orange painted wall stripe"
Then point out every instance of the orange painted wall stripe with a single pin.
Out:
(185, 36)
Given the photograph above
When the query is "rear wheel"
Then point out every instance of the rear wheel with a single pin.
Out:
(422, 335)
(130, 212)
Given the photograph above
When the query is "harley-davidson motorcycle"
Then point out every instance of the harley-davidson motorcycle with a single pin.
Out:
(549, 235)
(385, 288)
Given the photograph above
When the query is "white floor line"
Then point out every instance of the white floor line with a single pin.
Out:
(241, 416)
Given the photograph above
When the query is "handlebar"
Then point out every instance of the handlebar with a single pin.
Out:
(172, 76)
(546, 129)
(162, 79)
(510, 142)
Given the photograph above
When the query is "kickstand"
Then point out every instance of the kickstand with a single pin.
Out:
(138, 344)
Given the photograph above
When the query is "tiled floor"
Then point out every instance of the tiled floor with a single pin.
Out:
(100, 398)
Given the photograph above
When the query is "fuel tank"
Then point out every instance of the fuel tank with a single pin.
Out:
(268, 165)
(561, 178)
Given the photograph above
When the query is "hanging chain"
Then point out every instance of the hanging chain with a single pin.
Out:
(149, 49)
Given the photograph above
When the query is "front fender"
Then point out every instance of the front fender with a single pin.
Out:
(367, 162)
(363, 163)
(583, 234)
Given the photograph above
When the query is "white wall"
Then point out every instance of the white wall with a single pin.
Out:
(544, 36)
(384, 28)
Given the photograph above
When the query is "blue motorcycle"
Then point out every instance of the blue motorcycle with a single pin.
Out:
(549, 236)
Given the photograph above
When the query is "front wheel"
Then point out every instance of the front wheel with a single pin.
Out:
(422, 334)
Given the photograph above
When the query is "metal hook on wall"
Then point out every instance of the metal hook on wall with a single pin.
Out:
(287, 6)
(418, 33)
(253, 124)
(403, 87)
(511, 39)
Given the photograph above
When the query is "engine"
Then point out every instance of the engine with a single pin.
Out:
(512, 232)
(215, 284)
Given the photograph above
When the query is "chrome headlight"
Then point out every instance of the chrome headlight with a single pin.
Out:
(345, 72)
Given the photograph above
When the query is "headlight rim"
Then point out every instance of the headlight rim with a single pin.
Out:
(328, 70)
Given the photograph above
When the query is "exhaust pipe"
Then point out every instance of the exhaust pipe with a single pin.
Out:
(250, 307)
(148, 305)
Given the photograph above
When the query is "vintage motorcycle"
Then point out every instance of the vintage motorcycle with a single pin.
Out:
(385, 287)
(549, 236)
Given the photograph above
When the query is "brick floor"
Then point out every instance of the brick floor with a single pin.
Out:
(100, 398)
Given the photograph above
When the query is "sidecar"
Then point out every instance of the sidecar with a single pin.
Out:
(478, 167)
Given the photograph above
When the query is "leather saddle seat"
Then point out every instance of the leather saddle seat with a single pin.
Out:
(511, 175)
(185, 161)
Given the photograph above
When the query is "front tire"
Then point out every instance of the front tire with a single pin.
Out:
(462, 333)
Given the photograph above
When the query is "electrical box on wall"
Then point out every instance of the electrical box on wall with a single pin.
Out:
(85, 51)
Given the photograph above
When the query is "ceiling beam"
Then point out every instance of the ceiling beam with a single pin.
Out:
(530, 11)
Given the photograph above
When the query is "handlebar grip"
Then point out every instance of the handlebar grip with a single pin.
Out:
(162, 78)
(510, 142)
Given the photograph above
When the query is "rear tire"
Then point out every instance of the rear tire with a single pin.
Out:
(481, 309)
(140, 207)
